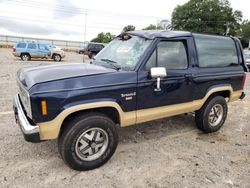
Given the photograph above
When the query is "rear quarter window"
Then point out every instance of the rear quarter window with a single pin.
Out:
(215, 51)
(21, 45)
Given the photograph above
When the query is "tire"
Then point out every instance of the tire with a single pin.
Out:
(25, 57)
(207, 119)
(90, 55)
(85, 134)
(57, 57)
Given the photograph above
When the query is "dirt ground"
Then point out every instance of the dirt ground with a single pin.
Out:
(166, 153)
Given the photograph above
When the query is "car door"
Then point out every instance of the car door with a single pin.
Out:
(175, 95)
(32, 49)
(43, 50)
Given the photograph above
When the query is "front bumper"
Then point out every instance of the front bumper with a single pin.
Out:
(30, 132)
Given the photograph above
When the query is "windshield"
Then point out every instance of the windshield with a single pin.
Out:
(122, 53)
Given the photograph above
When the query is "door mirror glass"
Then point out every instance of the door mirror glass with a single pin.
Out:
(158, 72)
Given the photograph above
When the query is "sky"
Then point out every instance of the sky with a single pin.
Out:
(81, 20)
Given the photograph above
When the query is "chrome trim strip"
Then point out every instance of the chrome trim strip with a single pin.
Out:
(240, 73)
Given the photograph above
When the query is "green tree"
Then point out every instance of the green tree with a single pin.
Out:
(245, 30)
(153, 27)
(99, 38)
(164, 24)
(103, 37)
(244, 33)
(209, 16)
(128, 28)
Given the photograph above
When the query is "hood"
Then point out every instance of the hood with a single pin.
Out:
(57, 50)
(38, 74)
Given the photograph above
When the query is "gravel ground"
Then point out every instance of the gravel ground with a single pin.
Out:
(165, 153)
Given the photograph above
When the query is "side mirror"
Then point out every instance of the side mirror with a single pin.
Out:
(158, 73)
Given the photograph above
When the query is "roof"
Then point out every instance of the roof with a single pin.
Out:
(151, 34)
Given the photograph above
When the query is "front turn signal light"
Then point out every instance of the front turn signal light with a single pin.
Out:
(44, 108)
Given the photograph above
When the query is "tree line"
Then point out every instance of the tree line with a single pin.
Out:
(202, 16)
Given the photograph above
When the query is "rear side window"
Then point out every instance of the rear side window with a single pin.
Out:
(21, 45)
(99, 47)
(215, 51)
(32, 46)
(91, 46)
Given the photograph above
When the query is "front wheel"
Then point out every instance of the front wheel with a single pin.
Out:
(57, 57)
(211, 117)
(88, 142)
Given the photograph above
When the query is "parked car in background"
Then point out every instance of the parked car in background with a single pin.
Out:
(92, 49)
(30, 49)
(247, 57)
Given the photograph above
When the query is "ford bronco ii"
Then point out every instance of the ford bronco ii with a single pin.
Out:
(138, 77)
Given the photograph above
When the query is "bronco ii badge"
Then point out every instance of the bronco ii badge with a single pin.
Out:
(128, 96)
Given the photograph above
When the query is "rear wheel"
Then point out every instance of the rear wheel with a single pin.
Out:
(88, 141)
(25, 57)
(211, 117)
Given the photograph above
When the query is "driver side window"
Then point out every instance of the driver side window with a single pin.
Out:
(169, 54)
(41, 47)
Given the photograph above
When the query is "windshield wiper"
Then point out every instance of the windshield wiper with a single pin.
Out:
(108, 60)
(112, 63)
(233, 64)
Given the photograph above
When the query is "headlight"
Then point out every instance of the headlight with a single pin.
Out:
(25, 99)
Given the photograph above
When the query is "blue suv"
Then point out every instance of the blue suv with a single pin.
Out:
(29, 49)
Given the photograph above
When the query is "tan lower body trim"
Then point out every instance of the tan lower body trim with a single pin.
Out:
(171, 110)
(235, 95)
(167, 111)
(50, 130)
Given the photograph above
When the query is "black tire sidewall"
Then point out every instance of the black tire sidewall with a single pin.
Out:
(90, 55)
(216, 100)
(25, 55)
(55, 57)
(71, 136)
